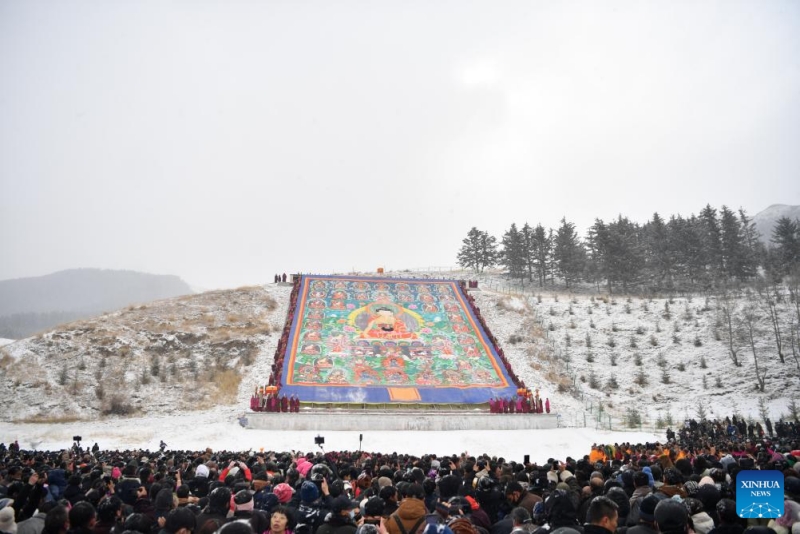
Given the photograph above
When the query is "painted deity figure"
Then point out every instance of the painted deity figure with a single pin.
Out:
(384, 320)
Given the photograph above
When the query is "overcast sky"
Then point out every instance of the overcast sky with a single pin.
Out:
(223, 141)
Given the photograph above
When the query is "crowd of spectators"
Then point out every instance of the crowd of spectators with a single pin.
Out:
(681, 486)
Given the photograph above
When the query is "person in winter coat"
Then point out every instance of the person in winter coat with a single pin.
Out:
(518, 496)
(128, 485)
(729, 520)
(314, 507)
(56, 521)
(588, 494)
(244, 505)
(341, 518)
(57, 482)
(559, 512)
(179, 521)
(35, 524)
(109, 515)
(199, 484)
(73, 493)
(701, 521)
(411, 512)
(82, 518)
(647, 515)
(672, 517)
(641, 484)
(602, 516)
(219, 504)
(520, 520)
(7, 523)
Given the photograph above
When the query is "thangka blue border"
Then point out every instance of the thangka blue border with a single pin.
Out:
(379, 394)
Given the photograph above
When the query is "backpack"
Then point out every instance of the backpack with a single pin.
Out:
(418, 527)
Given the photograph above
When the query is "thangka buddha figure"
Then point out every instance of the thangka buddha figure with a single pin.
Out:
(386, 320)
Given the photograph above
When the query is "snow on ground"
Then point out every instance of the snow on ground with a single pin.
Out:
(4, 341)
(219, 429)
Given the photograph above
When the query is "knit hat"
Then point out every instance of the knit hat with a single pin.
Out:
(695, 506)
(384, 481)
(244, 501)
(647, 508)
(462, 525)
(283, 492)
(706, 480)
(309, 492)
(116, 473)
(201, 471)
(7, 523)
(690, 487)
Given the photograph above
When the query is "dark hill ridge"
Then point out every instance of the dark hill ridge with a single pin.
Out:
(29, 305)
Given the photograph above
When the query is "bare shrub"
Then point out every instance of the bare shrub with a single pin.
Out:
(117, 405)
(227, 383)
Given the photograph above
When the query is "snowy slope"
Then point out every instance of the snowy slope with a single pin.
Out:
(547, 337)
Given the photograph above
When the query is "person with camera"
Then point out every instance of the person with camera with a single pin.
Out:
(236, 468)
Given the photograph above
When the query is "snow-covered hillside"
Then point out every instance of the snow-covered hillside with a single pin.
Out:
(186, 367)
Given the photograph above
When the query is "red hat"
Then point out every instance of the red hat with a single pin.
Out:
(283, 492)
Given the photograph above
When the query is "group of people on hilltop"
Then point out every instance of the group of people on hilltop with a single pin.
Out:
(649, 488)
(280, 278)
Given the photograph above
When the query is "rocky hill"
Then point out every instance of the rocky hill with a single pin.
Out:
(186, 353)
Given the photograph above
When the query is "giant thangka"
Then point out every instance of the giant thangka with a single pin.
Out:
(368, 340)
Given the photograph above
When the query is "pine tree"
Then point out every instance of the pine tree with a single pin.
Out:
(527, 237)
(753, 249)
(489, 254)
(478, 251)
(712, 241)
(541, 252)
(469, 257)
(686, 242)
(512, 256)
(617, 252)
(660, 260)
(597, 245)
(568, 253)
(786, 238)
